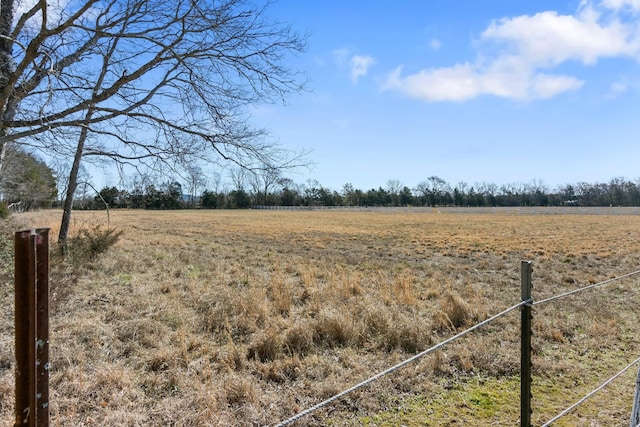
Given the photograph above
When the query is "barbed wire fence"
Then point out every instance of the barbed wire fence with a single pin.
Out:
(525, 305)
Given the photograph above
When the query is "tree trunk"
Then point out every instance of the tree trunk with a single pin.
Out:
(6, 67)
(71, 188)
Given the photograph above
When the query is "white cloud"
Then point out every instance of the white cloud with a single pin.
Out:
(465, 82)
(545, 86)
(617, 88)
(517, 56)
(360, 66)
(548, 39)
(617, 5)
(457, 83)
(435, 44)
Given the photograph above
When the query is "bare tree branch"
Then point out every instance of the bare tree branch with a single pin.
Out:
(145, 81)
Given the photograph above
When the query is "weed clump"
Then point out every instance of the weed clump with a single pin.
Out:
(267, 348)
(454, 313)
(333, 330)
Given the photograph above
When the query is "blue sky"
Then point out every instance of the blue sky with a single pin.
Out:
(494, 91)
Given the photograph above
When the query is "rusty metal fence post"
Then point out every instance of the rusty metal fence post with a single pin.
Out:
(31, 248)
(525, 345)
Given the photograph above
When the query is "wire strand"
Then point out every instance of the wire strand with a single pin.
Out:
(585, 288)
(581, 401)
(399, 365)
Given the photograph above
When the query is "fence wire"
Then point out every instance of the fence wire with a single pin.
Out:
(591, 393)
(528, 302)
(603, 385)
(399, 365)
(575, 291)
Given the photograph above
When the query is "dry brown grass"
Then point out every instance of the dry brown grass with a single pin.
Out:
(244, 318)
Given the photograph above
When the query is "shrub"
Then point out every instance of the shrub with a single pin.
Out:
(91, 242)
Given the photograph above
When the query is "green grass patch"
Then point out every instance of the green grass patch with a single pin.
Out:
(477, 401)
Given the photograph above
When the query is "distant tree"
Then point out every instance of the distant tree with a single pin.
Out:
(289, 197)
(474, 198)
(488, 191)
(406, 197)
(152, 197)
(313, 193)
(512, 194)
(458, 197)
(447, 198)
(422, 191)
(460, 193)
(617, 191)
(538, 192)
(109, 195)
(632, 192)
(27, 180)
(238, 178)
(137, 189)
(209, 199)
(568, 195)
(378, 197)
(195, 180)
(348, 194)
(216, 182)
(438, 189)
(167, 196)
(432, 191)
(265, 180)
(239, 199)
(394, 187)
(172, 197)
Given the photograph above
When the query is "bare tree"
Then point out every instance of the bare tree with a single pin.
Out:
(238, 177)
(394, 187)
(142, 81)
(432, 190)
(216, 181)
(462, 186)
(265, 180)
(195, 180)
(61, 168)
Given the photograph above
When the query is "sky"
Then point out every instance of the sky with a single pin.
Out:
(497, 91)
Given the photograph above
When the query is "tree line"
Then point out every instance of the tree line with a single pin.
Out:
(29, 183)
(433, 192)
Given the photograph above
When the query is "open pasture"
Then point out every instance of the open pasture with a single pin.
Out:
(248, 317)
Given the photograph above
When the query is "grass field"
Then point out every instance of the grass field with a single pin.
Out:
(248, 317)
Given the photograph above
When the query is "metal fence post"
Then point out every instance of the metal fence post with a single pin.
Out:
(31, 250)
(635, 413)
(525, 345)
